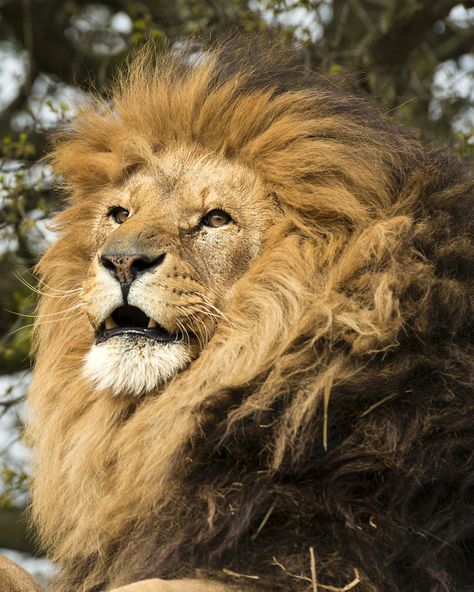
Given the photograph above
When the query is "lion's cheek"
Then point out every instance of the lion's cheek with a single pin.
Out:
(101, 295)
(220, 260)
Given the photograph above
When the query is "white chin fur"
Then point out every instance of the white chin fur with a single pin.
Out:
(134, 368)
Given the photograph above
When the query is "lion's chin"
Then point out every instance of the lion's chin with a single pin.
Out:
(134, 366)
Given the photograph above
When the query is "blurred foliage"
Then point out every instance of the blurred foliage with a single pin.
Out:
(14, 482)
(409, 56)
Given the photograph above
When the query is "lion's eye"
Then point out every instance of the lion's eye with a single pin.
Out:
(216, 218)
(119, 214)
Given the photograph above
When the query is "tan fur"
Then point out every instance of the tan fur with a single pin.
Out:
(173, 586)
(14, 578)
(331, 268)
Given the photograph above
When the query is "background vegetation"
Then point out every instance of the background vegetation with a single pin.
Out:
(409, 56)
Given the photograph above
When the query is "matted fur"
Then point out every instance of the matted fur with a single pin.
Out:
(334, 409)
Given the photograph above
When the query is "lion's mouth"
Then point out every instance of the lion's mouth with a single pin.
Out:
(131, 321)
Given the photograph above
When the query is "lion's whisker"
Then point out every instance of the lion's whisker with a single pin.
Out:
(217, 310)
(36, 290)
(41, 323)
(182, 329)
(203, 324)
(51, 314)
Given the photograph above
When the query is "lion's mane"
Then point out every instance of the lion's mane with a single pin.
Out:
(331, 415)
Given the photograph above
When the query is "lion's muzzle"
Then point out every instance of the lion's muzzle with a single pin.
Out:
(131, 321)
(125, 268)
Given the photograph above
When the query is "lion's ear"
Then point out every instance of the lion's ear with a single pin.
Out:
(14, 578)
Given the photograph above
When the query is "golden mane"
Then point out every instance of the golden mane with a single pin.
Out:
(336, 290)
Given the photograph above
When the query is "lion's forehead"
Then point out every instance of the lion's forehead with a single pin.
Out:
(184, 183)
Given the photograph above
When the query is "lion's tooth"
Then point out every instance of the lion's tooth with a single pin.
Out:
(152, 324)
(110, 323)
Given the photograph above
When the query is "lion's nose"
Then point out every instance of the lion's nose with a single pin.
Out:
(126, 268)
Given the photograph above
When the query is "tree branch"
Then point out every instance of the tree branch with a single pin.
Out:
(453, 43)
(408, 23)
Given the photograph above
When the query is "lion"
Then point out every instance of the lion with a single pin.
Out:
(253, 348)
(13, 578)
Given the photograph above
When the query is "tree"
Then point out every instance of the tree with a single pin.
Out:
(409, 56)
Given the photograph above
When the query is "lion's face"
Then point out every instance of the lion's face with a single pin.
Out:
(170, 243)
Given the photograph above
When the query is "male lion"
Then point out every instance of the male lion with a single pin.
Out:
(253, 359)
